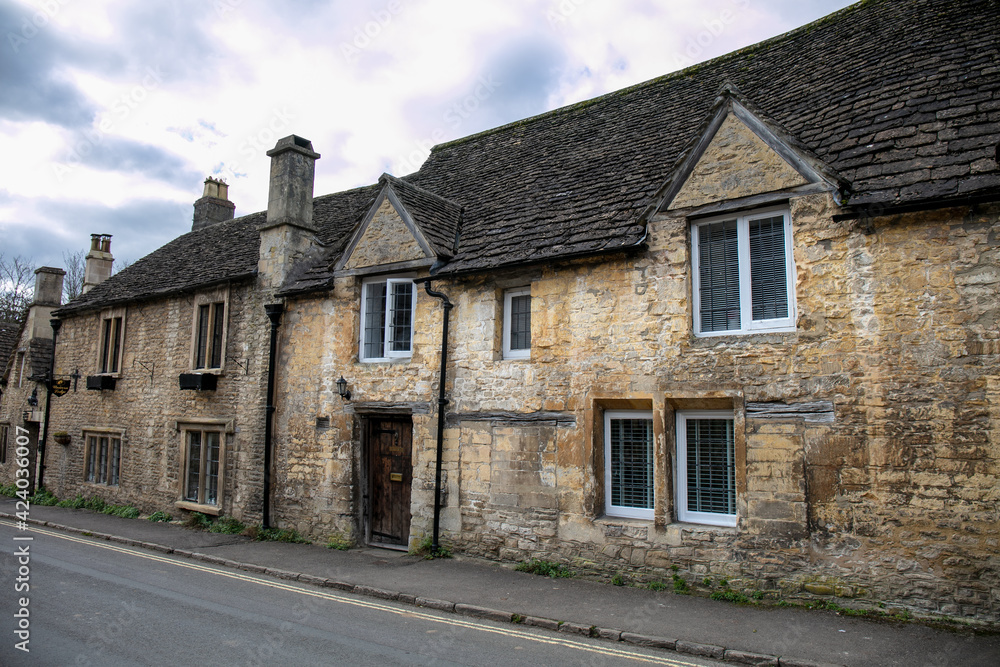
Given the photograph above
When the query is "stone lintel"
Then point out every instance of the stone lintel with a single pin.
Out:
(383, 408)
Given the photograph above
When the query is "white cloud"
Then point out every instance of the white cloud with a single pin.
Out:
(141, 101)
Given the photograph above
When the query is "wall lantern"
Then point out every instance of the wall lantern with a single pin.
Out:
(33, 399)
(342, 389)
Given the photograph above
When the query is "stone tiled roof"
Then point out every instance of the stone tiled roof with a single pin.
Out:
(341, 213)
(900, 99)
(227, 251)
(38, 351)
(438, 218)
(10, 333)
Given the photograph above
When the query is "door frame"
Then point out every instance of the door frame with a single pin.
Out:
(370, 494)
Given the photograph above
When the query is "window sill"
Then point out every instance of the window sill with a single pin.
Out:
(214, 510)
(608, 520)
(702, 527)
(748, 338)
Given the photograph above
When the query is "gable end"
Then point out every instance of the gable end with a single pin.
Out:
(740, 158)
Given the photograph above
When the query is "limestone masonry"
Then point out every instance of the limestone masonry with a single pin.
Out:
(740, 323)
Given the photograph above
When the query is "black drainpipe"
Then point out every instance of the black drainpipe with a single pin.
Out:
(274, 311)
(442, 402)
(56, 324)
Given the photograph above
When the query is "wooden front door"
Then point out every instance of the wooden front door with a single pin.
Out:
(388, 443)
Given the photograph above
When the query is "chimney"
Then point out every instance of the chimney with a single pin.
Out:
(290, 195)
(99, 261)
(48, 297)
(288, 232)
(214, 206)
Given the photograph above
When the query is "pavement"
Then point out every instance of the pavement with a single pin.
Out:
(686, 624)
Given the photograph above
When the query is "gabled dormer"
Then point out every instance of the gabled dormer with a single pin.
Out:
(406, 228)
(743, 159)
(735, 183)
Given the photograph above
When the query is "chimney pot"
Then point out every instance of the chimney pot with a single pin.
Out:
(99, 261)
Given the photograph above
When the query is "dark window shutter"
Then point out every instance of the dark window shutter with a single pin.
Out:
(632, 463)
(719, 276)
(711, 469)
(768, 280)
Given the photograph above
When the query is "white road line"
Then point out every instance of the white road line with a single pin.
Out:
(368, 604)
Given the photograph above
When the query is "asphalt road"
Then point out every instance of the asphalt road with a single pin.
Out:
(91, 602)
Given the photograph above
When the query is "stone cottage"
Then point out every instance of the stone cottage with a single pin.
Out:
(26, 351)
(741, 320)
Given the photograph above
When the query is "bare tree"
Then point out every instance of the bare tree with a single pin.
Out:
(76, 265)
(16, 286)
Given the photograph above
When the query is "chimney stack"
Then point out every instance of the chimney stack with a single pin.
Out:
(290, 194)
(214, 206)
(289, 232)
(48, 297)
(99, 261)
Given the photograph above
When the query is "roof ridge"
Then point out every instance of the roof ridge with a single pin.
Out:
(430, 193)
(687, 71)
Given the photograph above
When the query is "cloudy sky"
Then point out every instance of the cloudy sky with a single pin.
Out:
(113, 112)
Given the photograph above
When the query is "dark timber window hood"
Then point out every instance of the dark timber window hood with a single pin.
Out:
(199, 381)
(101, 382)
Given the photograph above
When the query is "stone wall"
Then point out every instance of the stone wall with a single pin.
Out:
(868, 436)
(30, 358)
(147, 404)
(318, 467)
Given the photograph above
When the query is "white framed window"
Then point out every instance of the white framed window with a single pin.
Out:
(102, 455)
(112, 335)
(705, 467)
(203, 459)
(208, 341)
(517, 323)
(388, 308)
(743, 275)
(628, 463)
